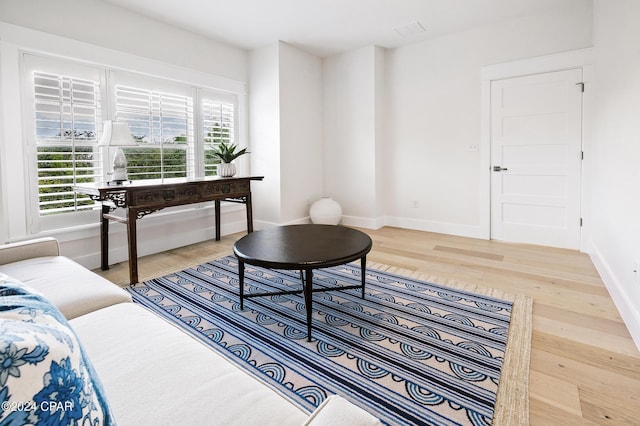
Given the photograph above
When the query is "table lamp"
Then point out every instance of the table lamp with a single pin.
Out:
(117, 134)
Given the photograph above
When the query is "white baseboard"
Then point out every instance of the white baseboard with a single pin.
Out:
(263, 224)
(358, 222)
(630, 314)
(406, 223)
(461, 230)
(363, 222)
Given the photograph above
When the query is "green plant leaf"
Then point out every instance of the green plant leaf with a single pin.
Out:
(227, 152)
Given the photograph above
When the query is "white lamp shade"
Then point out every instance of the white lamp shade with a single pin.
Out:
(116, 133)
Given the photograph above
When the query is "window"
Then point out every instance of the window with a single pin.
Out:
(67, 114)
(218, 125)
(66, 103)
(162, 124)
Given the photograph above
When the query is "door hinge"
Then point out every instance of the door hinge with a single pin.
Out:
(582, 155)
(580, 221)
(581, 84)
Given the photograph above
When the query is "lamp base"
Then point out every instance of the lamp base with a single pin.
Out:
(119, 175)
(118, 182)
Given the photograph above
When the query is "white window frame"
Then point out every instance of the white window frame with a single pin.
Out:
(31, 63)
(157, 111)
(215, 96)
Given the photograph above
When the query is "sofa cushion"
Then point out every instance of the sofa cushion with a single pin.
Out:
(337, 411)
(72, 288)
(45, 377)
(155, 373)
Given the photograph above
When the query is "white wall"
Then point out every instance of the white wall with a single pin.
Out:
(105, 35)
(380, 137)
(352, 140)
(615, 191)
(300, 131)
(104, 24)
(286, 132)
(4, 223)
(434, 114)
(264, 133)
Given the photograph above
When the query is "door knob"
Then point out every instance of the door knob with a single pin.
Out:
(499, 169)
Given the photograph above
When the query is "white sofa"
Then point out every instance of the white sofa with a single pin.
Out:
(152, 372)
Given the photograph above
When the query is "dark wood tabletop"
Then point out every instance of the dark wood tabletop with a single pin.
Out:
(302, 246)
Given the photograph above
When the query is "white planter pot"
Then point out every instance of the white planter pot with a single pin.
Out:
(325, 211)
(226, 169)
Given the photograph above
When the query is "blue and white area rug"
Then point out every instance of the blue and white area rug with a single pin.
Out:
(411, 352)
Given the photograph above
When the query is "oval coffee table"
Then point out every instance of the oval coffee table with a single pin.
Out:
(303, 248)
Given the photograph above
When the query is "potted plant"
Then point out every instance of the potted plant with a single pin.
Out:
(227, 153)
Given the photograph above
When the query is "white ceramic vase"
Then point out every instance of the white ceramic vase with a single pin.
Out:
(325, 211)
(226, 169)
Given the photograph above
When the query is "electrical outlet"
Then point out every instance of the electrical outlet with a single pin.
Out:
(415, 204)
(473, 147)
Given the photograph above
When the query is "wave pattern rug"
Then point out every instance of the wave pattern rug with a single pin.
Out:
(411, 352)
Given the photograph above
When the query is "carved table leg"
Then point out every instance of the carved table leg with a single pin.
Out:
(132, 239)
(217, 214)
(104, 238)
(249, 214)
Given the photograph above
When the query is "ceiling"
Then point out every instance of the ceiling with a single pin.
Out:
(328, 27)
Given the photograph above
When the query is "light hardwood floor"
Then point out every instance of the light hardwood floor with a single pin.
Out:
(585, 369)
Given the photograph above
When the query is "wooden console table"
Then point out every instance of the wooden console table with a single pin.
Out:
(140, 198)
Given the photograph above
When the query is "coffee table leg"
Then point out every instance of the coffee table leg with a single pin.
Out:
(241, 277)
(308, 299)
(363, 272)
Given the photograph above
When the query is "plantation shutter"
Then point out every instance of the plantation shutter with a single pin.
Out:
(218, 125)
(67, 115)
(162, 125)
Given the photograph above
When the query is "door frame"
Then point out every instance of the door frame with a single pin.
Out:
(582, 58)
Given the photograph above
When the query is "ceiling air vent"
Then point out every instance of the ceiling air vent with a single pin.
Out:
(410, 29)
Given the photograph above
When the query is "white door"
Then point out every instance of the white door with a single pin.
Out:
(536, 159)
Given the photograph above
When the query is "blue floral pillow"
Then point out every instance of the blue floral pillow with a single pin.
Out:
(45, 377)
